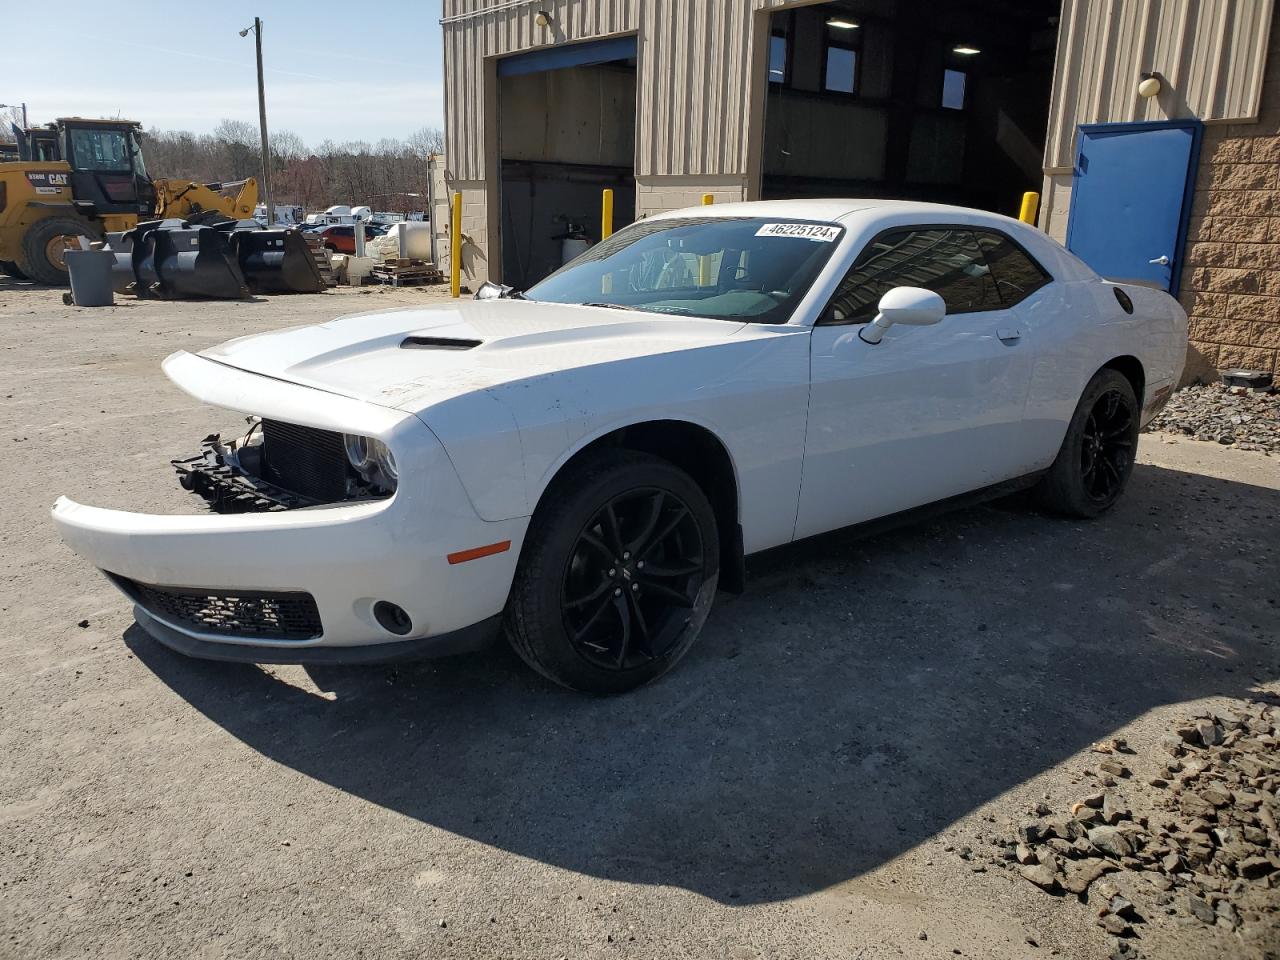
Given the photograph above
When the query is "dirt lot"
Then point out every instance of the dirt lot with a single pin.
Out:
(803, 786)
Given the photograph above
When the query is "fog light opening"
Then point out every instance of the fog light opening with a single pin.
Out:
(391, 618)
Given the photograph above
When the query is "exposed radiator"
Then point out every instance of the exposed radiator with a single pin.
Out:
(305, 460)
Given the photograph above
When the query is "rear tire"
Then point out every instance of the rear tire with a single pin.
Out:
(42, 249)
(617, 574)
(10, 269)
(1096, 458)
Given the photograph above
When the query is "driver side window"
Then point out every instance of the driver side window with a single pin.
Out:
(946, 260)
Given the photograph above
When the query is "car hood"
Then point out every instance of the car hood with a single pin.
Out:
(411, 358)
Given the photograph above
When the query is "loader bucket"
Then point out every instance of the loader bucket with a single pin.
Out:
(120, 243)
(277, 261)
(180, 261)
(131, 249)
(145, 237)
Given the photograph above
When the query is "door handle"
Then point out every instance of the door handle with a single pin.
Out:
(1162, 260)
(1009, 334)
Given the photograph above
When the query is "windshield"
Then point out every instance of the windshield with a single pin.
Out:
(103, 150)
(732, 268)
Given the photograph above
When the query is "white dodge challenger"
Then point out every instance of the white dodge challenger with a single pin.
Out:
(582, 465)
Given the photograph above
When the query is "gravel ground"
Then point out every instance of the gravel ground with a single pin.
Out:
(805, 785)
(1232, 416)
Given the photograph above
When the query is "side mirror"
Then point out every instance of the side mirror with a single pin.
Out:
(492, 291)
(913, 306)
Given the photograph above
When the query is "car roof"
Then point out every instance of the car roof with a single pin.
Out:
(856, 213)
(834, 209)
(828, 210)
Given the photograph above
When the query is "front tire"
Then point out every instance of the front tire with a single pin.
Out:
(10, 269)
(617, 575)
(1096, 458)
(44, 246)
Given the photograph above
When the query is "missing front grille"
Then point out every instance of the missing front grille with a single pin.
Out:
(305, 460)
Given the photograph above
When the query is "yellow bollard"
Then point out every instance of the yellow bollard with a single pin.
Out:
(704, 262)
(606, 215)
(455, 248)
(606, 231)
(1030, 204)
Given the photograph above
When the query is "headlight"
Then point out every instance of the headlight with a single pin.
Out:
(372, 459)
(385, 461)
(358, 451)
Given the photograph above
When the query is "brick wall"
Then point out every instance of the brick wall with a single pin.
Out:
(658, 194)
(1231, 278)
(475, 229)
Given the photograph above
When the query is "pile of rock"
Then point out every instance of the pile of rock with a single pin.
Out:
(1207, 848)
(1233, 416)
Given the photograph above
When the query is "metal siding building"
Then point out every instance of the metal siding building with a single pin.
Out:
(1212, 53)
(703, 103)
(692, 90)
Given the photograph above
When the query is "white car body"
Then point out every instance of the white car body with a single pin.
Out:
(822, 429)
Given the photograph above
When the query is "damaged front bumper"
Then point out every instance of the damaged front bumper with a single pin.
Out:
(304, 585)
(230, 476)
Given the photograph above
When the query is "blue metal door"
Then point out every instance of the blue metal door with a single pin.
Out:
(1131, 198)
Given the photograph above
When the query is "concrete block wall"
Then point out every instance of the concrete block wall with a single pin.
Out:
(475, 229)
(659, 194)
(1231, 275)
(1055, 205)
(439, 212)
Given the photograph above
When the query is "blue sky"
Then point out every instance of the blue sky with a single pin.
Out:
(338, 71)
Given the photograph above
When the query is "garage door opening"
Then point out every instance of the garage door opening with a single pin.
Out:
(909, 99)
(567, 120)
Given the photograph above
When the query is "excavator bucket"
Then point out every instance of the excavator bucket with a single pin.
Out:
(275, 261)
(175, 260)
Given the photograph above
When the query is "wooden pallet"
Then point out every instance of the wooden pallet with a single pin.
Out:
(404, 272)
(323, 258)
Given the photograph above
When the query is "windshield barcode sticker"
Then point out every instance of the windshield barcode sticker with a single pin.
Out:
(820, 233)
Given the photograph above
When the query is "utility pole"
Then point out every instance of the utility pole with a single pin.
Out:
(262, 123)
(4, 106)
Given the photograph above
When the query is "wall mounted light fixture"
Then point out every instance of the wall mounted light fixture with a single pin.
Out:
(1149, 85)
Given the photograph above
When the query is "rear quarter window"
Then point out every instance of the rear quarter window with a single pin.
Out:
(1016, 273)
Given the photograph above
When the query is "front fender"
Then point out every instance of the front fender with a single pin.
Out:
(508, 441)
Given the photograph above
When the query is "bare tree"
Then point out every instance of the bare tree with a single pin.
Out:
(9, 117)
(426, 140)
(286, 146)
(385, 175)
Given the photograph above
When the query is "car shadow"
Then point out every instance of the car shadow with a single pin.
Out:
(858, 700)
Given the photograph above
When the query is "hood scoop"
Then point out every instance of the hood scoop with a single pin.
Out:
(438, 343)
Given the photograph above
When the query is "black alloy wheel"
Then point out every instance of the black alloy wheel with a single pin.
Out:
(632, 579)
(617, 573)
(1097, 454)
(1106, 450)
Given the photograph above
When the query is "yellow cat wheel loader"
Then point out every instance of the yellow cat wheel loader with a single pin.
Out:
(86, 178)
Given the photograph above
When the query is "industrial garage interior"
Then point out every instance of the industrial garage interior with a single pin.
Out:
(924, 100)
(556, 163)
